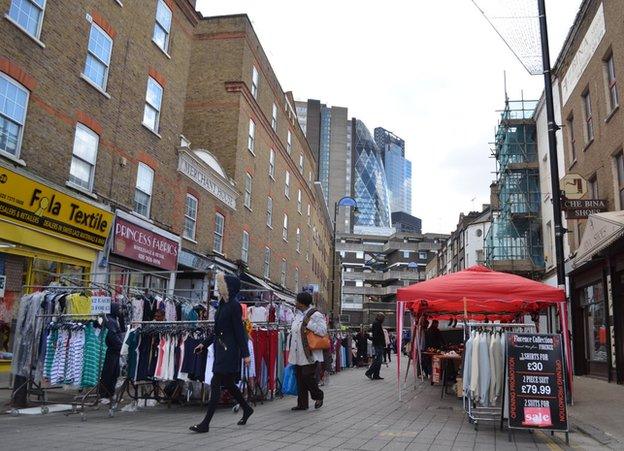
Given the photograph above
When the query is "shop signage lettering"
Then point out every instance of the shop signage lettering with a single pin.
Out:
(536, 382)
(206, 180)
(581, 209)
(135, 242)
(26, 201)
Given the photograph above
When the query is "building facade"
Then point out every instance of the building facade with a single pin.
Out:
(587, 73)
(134, 152)
(398, 170)
(374, 267)
(370, 188)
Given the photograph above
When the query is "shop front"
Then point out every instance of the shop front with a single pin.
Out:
(45, 233)
(597, 298)
(194, 282)
(142, 256)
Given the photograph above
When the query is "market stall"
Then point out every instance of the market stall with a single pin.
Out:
(479, 294)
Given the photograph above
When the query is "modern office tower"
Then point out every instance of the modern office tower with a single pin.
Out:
(398, 170)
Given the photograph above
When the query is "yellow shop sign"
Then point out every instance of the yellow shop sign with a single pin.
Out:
(30, 203)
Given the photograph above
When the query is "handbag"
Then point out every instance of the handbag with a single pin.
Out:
(315, 342)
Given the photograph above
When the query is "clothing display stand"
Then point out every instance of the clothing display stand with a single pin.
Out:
(151, 389)
(476, 413)
(90, 398)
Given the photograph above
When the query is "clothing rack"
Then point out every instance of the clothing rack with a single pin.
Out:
(34, 388)
(475, 412)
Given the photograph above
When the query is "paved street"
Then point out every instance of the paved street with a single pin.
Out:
(358, 414)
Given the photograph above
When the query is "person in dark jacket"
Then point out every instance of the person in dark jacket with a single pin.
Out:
(361, 342)
(114, 340)
(379, 344)
(230, 346)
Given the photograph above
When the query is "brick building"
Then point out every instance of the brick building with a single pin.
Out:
(587, 75)
(137, 113)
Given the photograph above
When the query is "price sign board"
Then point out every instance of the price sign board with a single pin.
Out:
(100, 304)
(536, 382)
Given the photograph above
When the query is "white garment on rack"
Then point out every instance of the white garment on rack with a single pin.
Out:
(209, 365)
(468, 363)
(57, 375)
(258, 314)
(484, 369)
(493, 368)
(124, 346)
(170, 310)
(137, 309)
(173, 341)
(252, 361)
(474, 366)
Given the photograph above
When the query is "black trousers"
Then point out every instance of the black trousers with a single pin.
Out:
(306, 384)
(373, 370)
(227, 380)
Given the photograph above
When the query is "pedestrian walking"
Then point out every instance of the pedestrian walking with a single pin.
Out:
(114, 341)
(379, 344)
(302, 356)
(361, 341)
(230, 346)
(386, 352)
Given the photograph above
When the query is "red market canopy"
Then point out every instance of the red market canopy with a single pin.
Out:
(480, 291)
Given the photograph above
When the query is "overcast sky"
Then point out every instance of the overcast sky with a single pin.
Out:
(430, 71)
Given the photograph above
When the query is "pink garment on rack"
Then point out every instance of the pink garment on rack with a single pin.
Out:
(158, 373)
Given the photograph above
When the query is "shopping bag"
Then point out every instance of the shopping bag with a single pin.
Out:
(289, 387)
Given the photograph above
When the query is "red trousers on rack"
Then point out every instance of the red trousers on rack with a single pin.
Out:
(265, 350)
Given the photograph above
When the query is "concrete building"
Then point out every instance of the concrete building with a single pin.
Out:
(374, 267)
(398, 170)
(587, 74)
(127, 123)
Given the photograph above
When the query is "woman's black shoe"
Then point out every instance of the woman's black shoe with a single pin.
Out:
(199, 428)
(246, 414)
(318, 404)
(299, 408)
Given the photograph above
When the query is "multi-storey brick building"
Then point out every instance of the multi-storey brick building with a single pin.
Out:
(587, 75)
(124, 131)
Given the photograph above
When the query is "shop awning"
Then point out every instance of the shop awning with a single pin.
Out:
(601, 230)
(285, 297)
(253, 280)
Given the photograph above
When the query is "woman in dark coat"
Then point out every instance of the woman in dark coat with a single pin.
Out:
(114, 340)
(230, 346)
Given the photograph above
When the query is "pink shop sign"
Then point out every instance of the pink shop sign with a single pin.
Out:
(136, 243)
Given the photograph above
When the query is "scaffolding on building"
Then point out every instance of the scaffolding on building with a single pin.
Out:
(514, 241)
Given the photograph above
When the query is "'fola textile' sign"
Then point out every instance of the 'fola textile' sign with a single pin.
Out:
(536, 382)
(137, 243)
(30, 203)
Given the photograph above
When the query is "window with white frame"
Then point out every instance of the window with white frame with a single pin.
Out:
(218, 233)
(269, 215)
(267, 262)
(245, 247)
(190, 217)
(248, 184)
(359, 255)
(162, 27)
(298, 241)
(309, 216)
(272, 163)
(571, 138)
(254, 82)
(619, 163)
(251, 136)
(593, 187)
(422, 255)
(301, 163)
(589, 119)
(13, 105)
(614, 100)
(84, 156)
(299, 201)
(143, 190)
(406, 254)
(289, 142)
(283, 273)
(285, 228)
(287, 185)
(274, 117)
(296, 280)
(98, 57)
(153, 101)
(307, 256)
(28, 15)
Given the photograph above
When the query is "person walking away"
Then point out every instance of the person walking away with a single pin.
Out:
(230, 346)
(378, 344)
(114, 341)
(386, 353)
(361, 340)
(304, 359)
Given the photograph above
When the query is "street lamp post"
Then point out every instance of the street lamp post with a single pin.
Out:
(346, 201)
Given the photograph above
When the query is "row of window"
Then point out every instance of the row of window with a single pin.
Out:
(28, 16)
(613, 102)
(283, 267)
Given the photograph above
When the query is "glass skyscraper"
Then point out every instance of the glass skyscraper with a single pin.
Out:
(398, 170)
(370, 187)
